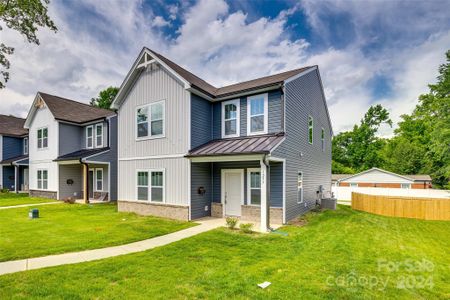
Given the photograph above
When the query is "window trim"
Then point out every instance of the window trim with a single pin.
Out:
(42, 179)
(303, 189)
(236, 102)
(322, 137)
(149, 194)
(266, 114)
(406, 188)
(150, 136)
(96, 180)
(249, 187)
(42, 138)
(311, 129)
(26, 145)
(96, 136)
(92, 136)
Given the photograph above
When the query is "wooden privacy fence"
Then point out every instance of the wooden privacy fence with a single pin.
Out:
(403, 207)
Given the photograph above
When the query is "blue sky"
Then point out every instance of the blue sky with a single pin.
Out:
(368, 52)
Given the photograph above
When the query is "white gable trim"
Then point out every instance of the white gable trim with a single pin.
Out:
(376, 169)
(136, 68)
(33, 110)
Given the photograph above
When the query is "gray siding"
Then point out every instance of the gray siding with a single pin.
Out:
(276, 182)
(70, 138)
(111, 157)
(304, 97)
(201, 121)
(275, 110)
(12, 147)
(201, 177)
(74, 172)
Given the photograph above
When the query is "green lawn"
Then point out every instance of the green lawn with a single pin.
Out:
(11, 199)
(313, 262)
(72, 227)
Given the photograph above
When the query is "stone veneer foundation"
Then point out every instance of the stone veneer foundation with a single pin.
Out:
(250, 213)
(43, 194)
(176, 212)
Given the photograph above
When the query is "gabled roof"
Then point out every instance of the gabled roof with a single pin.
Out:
(335, 177)
(261, 144)
(194, 83)
(68, 110)
(407, 177)
(12, 126)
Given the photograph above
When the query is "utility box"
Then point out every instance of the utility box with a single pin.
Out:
(33, 213)
(328, 203)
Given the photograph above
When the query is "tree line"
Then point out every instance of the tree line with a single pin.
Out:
(421, 142)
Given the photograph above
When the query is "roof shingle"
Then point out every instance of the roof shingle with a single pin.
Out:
(12, 126)
(72, 111)
(81, 154)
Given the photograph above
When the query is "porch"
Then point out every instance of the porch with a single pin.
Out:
(15, 174)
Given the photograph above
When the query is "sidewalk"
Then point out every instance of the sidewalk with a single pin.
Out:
(26, 205)
(90, 255)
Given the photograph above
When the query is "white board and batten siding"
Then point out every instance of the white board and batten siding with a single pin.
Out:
(43, 158)
(376, 176)
(159, 153)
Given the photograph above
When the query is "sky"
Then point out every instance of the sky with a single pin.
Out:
(368, 52)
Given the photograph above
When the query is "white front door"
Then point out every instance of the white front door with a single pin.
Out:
(232, 191)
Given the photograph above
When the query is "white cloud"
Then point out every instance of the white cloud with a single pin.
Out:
(224, 46)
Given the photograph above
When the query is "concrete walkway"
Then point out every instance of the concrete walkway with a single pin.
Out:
(90, 255)
(26, 205)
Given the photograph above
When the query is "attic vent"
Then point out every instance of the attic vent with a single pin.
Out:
(40, 103)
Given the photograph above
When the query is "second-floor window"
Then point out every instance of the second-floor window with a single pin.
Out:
(150, 120)
(99, 135)
(310, 129)
(90, 137)
(42, 138)
(257, 114)
(25, 146)
(230, 118)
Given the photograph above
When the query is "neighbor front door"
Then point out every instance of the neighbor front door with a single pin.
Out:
(233, 191)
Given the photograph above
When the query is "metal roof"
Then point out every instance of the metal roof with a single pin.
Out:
(261, 144)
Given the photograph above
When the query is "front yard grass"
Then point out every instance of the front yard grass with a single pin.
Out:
(319, 260)
(12, 199)
(74, 227)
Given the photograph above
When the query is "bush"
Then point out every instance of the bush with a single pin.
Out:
(4, 190)
(246, 227)
(231, 222)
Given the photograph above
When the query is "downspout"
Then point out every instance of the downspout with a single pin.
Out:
(86, 176)
(266, 162)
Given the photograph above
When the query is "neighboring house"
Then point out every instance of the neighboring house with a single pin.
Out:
(379, 178)
(188, 150)
(13, 154)
(73, 149)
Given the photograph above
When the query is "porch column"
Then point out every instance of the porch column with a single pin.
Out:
(264, 199)
(85, 184)
(16, 179)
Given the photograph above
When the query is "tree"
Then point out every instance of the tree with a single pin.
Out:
(24, 16)
(360, 148)
(105, 97)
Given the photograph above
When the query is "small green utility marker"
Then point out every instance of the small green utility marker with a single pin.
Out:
(33, 213)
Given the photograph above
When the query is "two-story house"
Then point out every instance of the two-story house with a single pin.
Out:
(13, 154)
(72, 149)
(188, 150)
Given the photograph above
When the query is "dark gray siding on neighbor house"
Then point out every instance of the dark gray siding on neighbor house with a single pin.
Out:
(276, 180)
(201, 177)
(275, 110)
(111, 157)
(303, 98)
(12, 147)
(70, 138)
(201, 121)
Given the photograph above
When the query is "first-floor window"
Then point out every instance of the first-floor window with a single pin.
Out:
(254, 182)
(153, 189)
(42, 179)
(299, 187)
(99, 179)
(406, 185)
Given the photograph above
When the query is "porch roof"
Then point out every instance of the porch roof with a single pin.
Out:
(261, 144)
(81, 154)
(19, 160)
